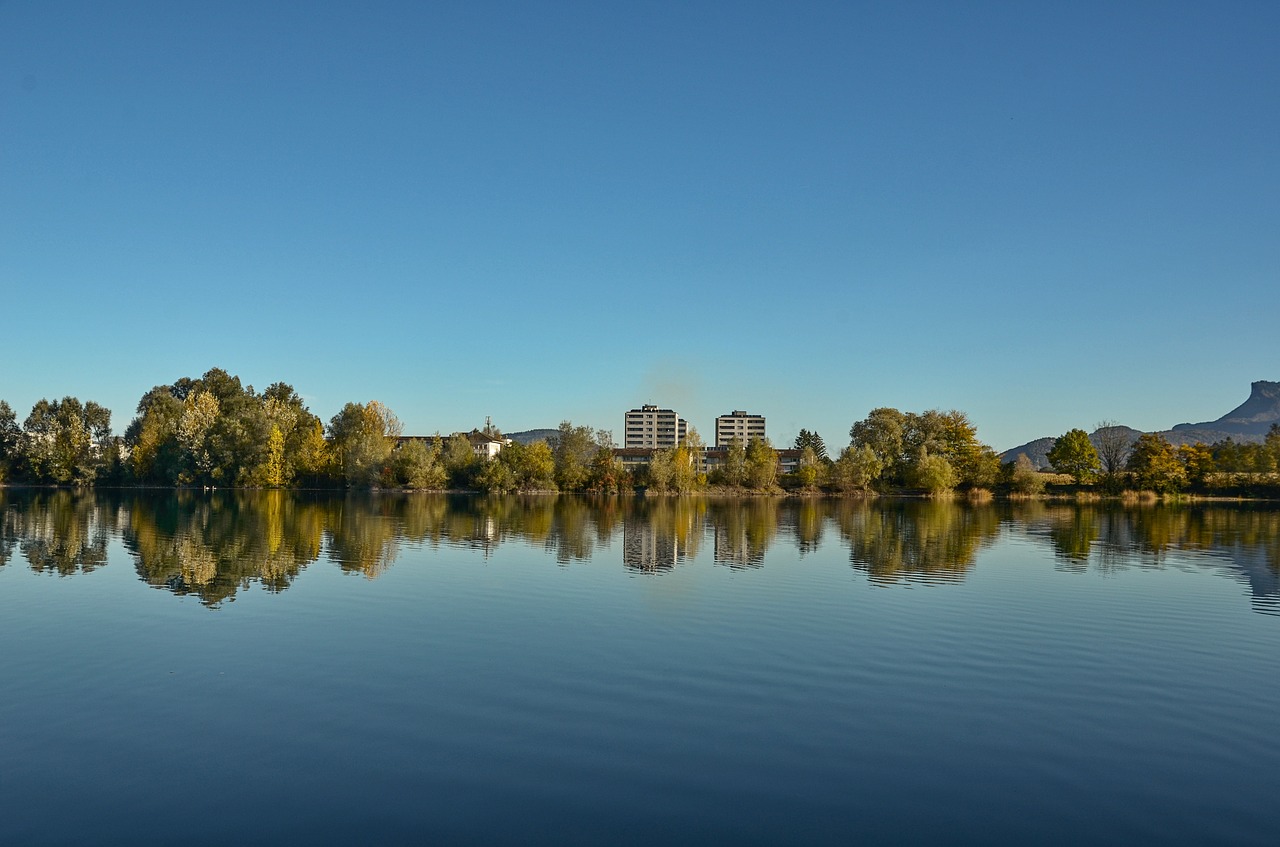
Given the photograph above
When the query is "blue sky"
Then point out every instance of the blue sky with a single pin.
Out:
(1043, 215)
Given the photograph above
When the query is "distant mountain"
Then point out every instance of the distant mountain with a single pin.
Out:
(531, 435)
(1038, 451)
(1247, 423)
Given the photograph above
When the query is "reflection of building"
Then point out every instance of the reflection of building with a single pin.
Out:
(647, 547)
(734, 547)
(652, 427)
(740, 425)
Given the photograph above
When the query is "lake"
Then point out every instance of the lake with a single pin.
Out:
(260, 667)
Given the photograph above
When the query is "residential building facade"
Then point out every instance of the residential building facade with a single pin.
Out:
(653, 428)
(740, 425)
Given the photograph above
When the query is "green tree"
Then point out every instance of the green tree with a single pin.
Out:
(200, 411)
(498, 476)
(692, 442)
(1271, 448)
(762, 465)
(734, 469)
(1073, 453)
(900, 441)
(983, 471)
(460, 461)
(811, 469)
(607, 473)
(883, 432)
(575, 447)
(934, 474)
(10, 441)
(64, 440)
(273, 472)
(856, 469)
(417, 464)
(152, 437)
(362, 438)
(1197, 459)
(532, 466)
(311, 462)
(1154, 464)
(239, 439)
(286, 411)
(660, 474)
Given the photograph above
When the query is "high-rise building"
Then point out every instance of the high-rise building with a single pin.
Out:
(653, 428)
(740, 425)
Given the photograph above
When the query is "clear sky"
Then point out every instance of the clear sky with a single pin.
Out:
(1043, 214)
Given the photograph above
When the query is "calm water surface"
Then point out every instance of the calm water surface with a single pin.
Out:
(431, 669)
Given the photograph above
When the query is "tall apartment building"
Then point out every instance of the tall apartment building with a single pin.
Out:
(740, 425)
(652, 428)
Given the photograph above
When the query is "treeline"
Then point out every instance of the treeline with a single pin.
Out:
(214, 431)
(1111, 462)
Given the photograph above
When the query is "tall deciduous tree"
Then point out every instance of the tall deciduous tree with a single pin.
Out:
(1197, 459)
(882, 432)
(1154, 464)
(362, 438)
(64, 440)
(10, 441)
(934, 474)
(810, 471)
(155, 454)
(460, 461)
(856, 469)
(1112, 442)
(661, 473)
(734, 469)
(417, 464)
(574, 449)
(1073, 453)
(762, 464)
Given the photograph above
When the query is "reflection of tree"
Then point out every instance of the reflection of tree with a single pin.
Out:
(363, 533)
(63, 532)
(213, 545)
(1073, 531)
(1113, 538)
(744, 529)
(915, 541)
(573, 536)
(8, 528)
(806, 520)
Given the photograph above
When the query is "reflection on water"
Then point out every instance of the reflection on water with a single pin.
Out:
(915, 541)
(60, 533)
(1244, 540)
(211, 545)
